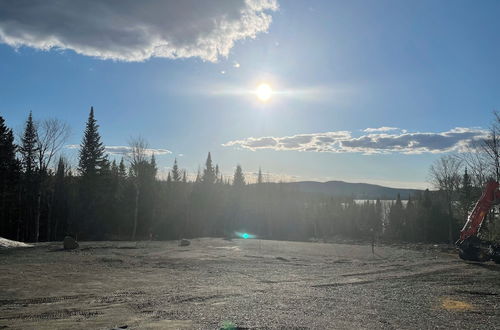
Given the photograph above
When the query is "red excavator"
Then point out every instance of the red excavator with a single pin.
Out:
(470, 246)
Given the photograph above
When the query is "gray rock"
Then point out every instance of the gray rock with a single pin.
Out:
(70, 243)
(184, 242)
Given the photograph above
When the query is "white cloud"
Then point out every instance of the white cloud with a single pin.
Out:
(132, 30)
(125, 150)
(381, 129)
(457, 139)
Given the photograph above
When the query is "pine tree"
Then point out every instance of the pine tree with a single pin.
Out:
(466, 200)
(122, 170)
(94, 192)
(9, 173)
(114, 168)
(410, 221)
(92, 151)
(209, 171)
(259, 177)
(176, 175)
(239, 178)
(28, 151)
(396, 218)
(198, 176)
(28, 147)
(59, 202)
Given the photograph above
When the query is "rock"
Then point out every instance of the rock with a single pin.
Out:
(184, 242)
(70, 243)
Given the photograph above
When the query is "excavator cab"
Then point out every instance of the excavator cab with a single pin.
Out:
(470, 245)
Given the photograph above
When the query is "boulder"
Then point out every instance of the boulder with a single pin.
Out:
(184, 242)
(70, 243)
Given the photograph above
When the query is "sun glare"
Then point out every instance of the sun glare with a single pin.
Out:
(264, 92)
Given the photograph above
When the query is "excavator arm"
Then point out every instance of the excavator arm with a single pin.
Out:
(470, 246)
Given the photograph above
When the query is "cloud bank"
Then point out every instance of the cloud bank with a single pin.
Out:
(401, 141)
(132, 30)
(125, 150)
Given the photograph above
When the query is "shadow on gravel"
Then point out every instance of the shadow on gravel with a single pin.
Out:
(91, 248)
(495, 268)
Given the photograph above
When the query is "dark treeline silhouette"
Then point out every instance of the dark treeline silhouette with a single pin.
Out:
(124, 200)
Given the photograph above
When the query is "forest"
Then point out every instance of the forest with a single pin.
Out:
(44, 198)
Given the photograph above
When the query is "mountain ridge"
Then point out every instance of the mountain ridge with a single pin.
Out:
(360, 190)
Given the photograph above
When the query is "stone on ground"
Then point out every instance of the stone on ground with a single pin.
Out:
(70, 243)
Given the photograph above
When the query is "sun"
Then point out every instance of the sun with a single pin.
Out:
(264, 92)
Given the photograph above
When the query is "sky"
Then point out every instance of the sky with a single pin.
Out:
(362, 91)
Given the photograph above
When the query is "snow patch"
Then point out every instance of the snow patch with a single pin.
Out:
(7, 243)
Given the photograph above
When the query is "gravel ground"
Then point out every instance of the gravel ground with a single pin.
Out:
(249, 283)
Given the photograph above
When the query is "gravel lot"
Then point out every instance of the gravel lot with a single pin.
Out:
(252, 284)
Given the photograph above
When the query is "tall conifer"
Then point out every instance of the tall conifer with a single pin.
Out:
(92, 151)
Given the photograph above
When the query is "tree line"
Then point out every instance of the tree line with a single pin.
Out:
(43, 197)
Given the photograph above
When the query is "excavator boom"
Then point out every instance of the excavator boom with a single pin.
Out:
(470, 246)
(483, 206)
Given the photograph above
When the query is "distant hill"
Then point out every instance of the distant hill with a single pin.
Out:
(357, 190)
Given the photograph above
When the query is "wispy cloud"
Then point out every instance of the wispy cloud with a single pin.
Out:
(131, 30)
(457, 139)
(125, 150)
(381, 129)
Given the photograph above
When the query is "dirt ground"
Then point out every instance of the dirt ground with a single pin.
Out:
(252, 284)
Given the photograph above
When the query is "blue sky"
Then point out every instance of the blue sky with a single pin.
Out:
(336, 68)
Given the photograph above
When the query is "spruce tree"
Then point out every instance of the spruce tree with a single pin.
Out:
(239, 178)
(59, 203)
(122, 170)
(176, 175)
(28, 148)
(8, 175)
(92, 151)
(466, 200)
(209, 171)
(114, 168)
(259, 177)
(28, 151)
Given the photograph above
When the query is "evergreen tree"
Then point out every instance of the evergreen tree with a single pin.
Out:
(114, 168)
(396, 218)
(28, 148)
(239, 178)
(9, 176)
(94, 190)
(410, 221)
(59, 203)
(122, 170)
(259, 177)
(466, 199)
(92, 151)
(176, 174)
(28, 151)
(209, 171)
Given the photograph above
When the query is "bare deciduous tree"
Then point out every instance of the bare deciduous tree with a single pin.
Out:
(491, 147)
(137, 157)
(477, 163)
(445, 176)
(51, 136)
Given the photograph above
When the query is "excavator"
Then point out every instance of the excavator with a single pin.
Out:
(470, 245)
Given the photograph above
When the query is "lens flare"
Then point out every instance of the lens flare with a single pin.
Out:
(244, 235)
